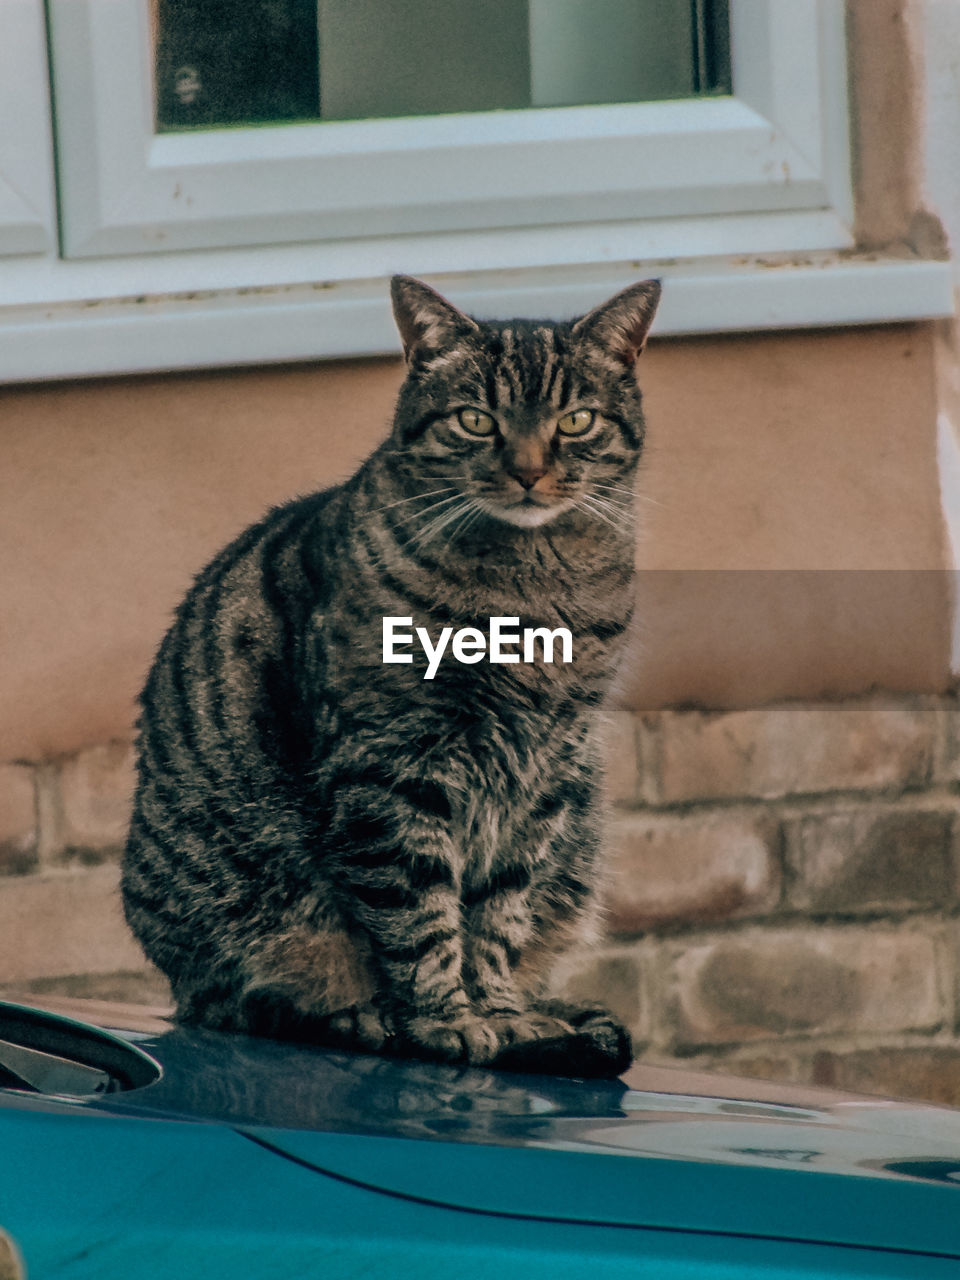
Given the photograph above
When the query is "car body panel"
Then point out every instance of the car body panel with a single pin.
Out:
(662, 1193)
(249, 1156)
(122, 1198)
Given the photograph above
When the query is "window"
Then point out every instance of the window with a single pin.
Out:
(206, 244)
(222, 63)
(778, 145)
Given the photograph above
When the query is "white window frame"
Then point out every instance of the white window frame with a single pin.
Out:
(778, 146)
(252, 244)
(27, 207)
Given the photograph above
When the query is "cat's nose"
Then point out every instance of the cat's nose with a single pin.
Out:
(528, 476)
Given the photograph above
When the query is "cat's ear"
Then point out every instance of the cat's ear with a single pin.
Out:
(619, 326)
(427, 322)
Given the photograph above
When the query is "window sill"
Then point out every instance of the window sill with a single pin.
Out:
(149, 332)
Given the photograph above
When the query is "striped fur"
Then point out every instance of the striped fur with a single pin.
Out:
(329, 848)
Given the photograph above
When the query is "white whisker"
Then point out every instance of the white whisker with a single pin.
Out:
(616, 489)
(632, 493)
(400, 501)
(615, 504)
(476, 511)
(597, 507)
(440, 522)
(419, 515)
(616, 509)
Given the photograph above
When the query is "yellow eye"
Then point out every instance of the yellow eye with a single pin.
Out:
(477, 422)
(577, 423)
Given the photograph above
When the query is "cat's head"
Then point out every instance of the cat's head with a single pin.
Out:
(523, 419)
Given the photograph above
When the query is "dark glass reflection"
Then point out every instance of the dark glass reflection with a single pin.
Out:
(222, 62)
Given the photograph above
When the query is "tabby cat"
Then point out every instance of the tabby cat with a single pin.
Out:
(329, 848)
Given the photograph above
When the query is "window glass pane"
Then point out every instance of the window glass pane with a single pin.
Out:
(235, 61)
(221, 62)
(424, 57)
(610, 51)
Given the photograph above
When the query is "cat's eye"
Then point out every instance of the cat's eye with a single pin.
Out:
(477, 422)
(576, 423)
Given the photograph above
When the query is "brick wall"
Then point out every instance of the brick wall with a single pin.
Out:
(784, 898)
(786, 891)
(62, 828)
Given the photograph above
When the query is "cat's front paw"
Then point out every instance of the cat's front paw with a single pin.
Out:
(607, 1034)
(356, 1027)
(594, 1045)
(525, 1028)
(465, 1038)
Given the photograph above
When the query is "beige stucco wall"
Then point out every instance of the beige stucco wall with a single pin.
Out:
(792, 540)
(796, 544)
(771, 459)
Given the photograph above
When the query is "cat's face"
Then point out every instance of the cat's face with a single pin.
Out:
(522, 420)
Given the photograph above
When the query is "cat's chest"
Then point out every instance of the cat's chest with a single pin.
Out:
(493, 819)
(504, 595)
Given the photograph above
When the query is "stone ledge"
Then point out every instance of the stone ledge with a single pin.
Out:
(929, 1071)
(613, 978)
(67, 922)
(136, 987)
(85, 803)
(947, 762)
(915, 1067)
(787, 750)
(862, 860)
(18, 819)
(620, 759)
(669, 869)
(764, 983)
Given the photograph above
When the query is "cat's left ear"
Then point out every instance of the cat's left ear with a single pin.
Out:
(427, 322)
(619, 326)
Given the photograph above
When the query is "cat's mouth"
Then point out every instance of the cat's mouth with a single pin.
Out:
(530, 510)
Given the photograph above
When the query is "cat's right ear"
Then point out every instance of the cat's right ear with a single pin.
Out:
(427, 322)
(618, 328)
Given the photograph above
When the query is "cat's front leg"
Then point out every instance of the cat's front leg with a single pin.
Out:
(498, 931)
(399, 883)
(509, 953)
